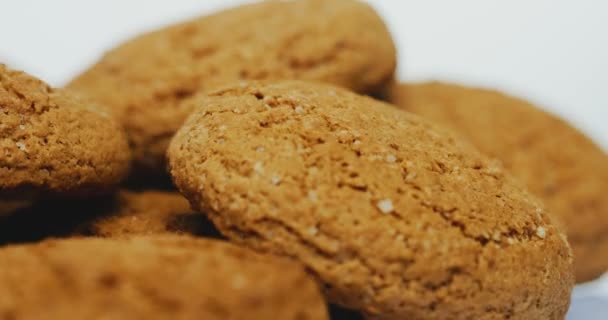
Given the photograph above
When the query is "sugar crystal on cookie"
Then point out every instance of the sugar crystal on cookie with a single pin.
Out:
(385, 206)
(541, 232)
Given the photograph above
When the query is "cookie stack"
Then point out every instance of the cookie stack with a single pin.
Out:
(236, 166)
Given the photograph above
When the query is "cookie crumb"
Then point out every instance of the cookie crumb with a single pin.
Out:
(391, 158)
(496, 236)
(356, 142)
(275, 180)
(385, 206)
(541, 232)
(22, 127)
(21, 146)
(258, 167)
(410, 176)
(493, 169)
(312, 195)
(299, 109)
(313, 231)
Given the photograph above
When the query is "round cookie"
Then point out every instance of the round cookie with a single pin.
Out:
(51, 141)
(163, 277)
(554, 160)
(394, 216)
(146, 213)
(143, 81)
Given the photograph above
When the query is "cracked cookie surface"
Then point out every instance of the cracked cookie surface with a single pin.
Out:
(162, 277)
(393, 215)
(143, 81)
(54, 142)
(553, 159)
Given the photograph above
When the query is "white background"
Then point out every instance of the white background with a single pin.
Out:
(553, 52)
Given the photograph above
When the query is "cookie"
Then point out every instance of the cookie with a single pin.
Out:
(393, 215)
(146, 213)
(554, 160)
(144, 80)
(164, 277)
(54, 142)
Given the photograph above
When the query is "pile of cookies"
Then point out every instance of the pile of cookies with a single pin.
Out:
(242, 165)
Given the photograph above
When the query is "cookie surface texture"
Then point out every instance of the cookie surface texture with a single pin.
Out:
(147, 213)
(52, 141)
(163, 277)
(393, 215)
(553, 159)
(143, 81)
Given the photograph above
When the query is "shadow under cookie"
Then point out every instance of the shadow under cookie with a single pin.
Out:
(51, 218)
(339, 313)
(123, 214)
(148, 212)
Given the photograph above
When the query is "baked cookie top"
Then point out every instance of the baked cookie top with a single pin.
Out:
(146, 213)
(143, 81)
(554, 160)
(162, 277)
(395, 216)
(53, 141)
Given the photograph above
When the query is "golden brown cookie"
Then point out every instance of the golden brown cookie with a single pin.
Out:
(163, 277)
(54, 142)
(556, 162)
(146, 213)
(144, 80)
(393, 215)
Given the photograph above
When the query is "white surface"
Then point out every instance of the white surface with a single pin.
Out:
(553, 52)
